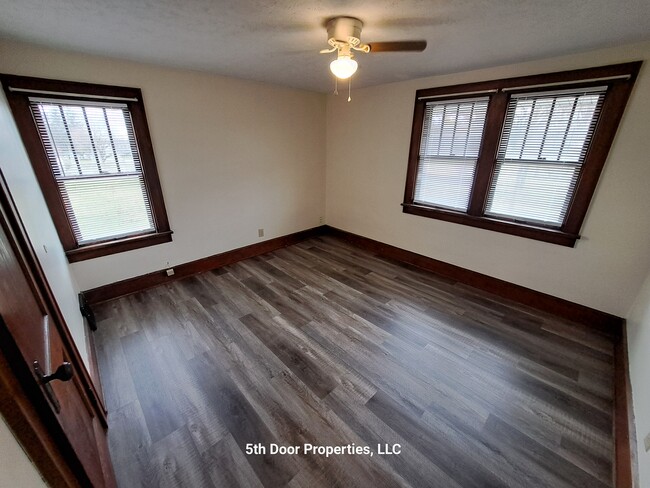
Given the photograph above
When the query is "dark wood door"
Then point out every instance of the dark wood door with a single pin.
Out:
(35, 340)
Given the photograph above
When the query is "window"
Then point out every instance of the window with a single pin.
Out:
(543, 146)
(520, 155)
(451, 138)
(92, 154)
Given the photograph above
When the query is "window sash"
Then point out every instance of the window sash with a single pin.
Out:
(449, 148)
(93, 155)
(545, 138)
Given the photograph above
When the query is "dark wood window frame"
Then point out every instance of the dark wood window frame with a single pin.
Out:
(17, 90)
(619, 79)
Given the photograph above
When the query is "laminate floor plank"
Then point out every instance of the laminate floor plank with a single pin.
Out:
(329, 314)
(175, 462)
(483, 450)
(455, 462)
(129, 442)
(567, 385)
(381, 368)
(514, 343)
(227, 465)
(160, 408)
(464, 393)
(562, 346)
(128, 313)
(599, 466)
(549, 422)
(285, 279)
(278, 300)
(194, 405)
(580, 334)
(242, 421)
(415, 468)
(381, 317)
(291, 412)
(350, 266)
(538, 457)
(357, 256)
(117, 383)
(322, 343)
(294, 355)
(243, 299)
(310, 277)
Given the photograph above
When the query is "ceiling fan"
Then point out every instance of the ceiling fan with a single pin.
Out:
(344, 35)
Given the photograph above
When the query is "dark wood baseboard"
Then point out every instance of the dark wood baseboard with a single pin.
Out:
(149, 280)
(602, 321)
(624, 438)
(597, 319)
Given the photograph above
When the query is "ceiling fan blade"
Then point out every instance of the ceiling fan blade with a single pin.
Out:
(397, 46)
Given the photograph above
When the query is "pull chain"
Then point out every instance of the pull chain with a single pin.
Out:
(336, 88)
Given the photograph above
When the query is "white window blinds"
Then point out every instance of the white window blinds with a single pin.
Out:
(93, 154)
(543, 146)
(451, 139)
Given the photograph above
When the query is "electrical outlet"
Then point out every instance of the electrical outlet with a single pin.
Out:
(260, 232)
(170, 272)
(646, 441)
(321, 220)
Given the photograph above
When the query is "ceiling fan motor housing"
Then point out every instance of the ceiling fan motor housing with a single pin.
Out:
(344, 30)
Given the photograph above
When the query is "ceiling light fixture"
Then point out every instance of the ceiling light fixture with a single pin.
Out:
(344, 66)
(344, 35)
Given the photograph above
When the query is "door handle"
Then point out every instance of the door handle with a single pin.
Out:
(63, 373)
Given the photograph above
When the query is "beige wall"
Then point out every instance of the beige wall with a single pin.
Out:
(233, 156)
(16, 469)
(638, 335)
(367, 151)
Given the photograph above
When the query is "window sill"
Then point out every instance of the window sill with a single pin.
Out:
(552, 236)
(117, 246)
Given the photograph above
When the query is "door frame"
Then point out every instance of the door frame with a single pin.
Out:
(22, 401)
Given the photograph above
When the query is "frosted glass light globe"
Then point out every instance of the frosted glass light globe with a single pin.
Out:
(343, 67)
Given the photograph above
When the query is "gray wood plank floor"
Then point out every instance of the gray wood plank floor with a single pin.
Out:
(325, 344)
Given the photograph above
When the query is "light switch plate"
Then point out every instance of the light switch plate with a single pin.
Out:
(646, 441)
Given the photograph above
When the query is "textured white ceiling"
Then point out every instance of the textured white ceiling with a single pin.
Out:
(278, 40)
